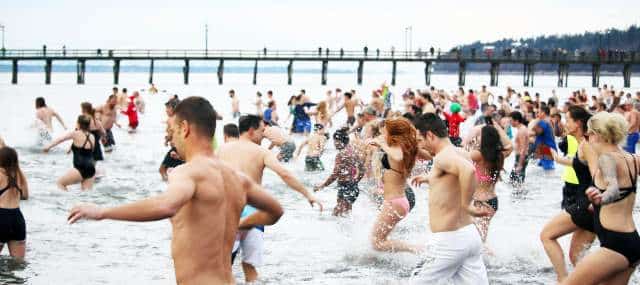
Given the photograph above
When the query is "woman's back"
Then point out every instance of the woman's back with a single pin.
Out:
(617, 215)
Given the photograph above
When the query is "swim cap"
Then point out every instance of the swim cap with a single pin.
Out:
(455, 108)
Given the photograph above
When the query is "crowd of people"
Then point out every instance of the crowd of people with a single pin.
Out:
(219, 209)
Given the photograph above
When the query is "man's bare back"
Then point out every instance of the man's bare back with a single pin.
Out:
(46, 114)
(238, 153)
(107, 116)
(350, 107)
(633, 118)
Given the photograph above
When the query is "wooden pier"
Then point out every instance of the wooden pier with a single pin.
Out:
(324, 57)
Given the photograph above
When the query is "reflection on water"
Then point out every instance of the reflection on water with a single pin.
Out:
(305, 247)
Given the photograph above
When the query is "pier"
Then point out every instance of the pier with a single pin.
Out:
(324, 58)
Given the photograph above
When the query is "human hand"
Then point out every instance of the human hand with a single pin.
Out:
(87, 211)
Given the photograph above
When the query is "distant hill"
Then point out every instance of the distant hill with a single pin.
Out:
(590, 42)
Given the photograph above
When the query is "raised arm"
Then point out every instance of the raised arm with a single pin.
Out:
(271, 162)
(180, 189)
(268, 211)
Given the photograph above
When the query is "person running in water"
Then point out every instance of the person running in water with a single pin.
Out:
(613, 195)
(279, 138)
(14, 188)
(544, 140)
(235, 104)
(398, 142)
(457, 247)
(171, 159)
(521, 149)
(107, 115)
(83, 170)
(132, 114)
(204, 200)
(575, 219)
(349, 104)
(316, 143)
(633, 119)
(44, 114)
(348, 170)
(495, 146)
(236, 152)
(96, 130)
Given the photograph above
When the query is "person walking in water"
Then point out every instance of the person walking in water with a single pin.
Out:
(575, 219)
(83, 170)
(348, 170)
(457, 246)
(316, 144)
(15, 188)
(398, 142)
(204, 199)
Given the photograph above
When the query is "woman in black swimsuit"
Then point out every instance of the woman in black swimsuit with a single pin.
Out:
(95, 128)
(83, 170)
(14, 188)
(613, 195)
(575, 217)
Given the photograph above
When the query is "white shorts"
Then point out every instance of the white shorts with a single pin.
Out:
(252, 247)
(456, 257)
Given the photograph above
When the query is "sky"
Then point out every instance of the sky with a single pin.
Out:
(298, 24)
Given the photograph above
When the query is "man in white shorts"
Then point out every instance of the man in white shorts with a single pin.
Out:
(251, 243)
(457, 249)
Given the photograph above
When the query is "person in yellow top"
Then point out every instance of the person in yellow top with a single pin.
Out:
(575, 217)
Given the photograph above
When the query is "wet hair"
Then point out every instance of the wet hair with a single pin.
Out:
(491, 149)
(9, 162)
(348, 95)
(247, 122)
(291, 100)
(271, 104)
(199, 113)
(40, 102)
(259, 94)
(87, 108)
(581, 115)
(342, 136)
(124, 90)
(400, 132)
(231, 130)
(115, 89)
(84, 122)
(611, 127)
(430, 122)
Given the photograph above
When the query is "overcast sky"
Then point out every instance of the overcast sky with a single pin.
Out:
(298, 24)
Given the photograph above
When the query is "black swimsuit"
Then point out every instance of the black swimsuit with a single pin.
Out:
(12, 224)
(627, 244)
(83, 159)
(579, 206)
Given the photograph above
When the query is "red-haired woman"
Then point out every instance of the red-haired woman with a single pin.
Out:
(398, 142)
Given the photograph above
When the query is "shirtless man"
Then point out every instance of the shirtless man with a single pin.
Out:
(316, 143)
(330, 100)
(259, 104)
(521, 149)
(235, 104)
(204, 199)
(484, 95)
(457, 247)
(248, 149)
(633, 118)
(45, 115)
(350, 106)
(107, 116)
(279, 138)
(123, 99)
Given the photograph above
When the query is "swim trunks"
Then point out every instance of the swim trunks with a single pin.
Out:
(313, 163)
(348, 191)
(12, 225)
(286, 151)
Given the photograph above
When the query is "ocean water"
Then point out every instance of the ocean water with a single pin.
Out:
(305, 247)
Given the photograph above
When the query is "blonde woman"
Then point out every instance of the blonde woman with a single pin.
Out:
(613, 196)
(323, 117)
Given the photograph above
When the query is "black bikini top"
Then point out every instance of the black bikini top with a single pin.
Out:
(624, 192)
(11, 183)
(385, 163)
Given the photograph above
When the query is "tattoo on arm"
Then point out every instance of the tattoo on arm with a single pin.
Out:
(607, 165)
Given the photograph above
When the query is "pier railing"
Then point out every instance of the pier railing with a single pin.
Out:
(528, 58)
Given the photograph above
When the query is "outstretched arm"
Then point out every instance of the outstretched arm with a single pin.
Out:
(180, 189)
(58, 141)
(269, 210)
(271, 162)
(337, 165)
